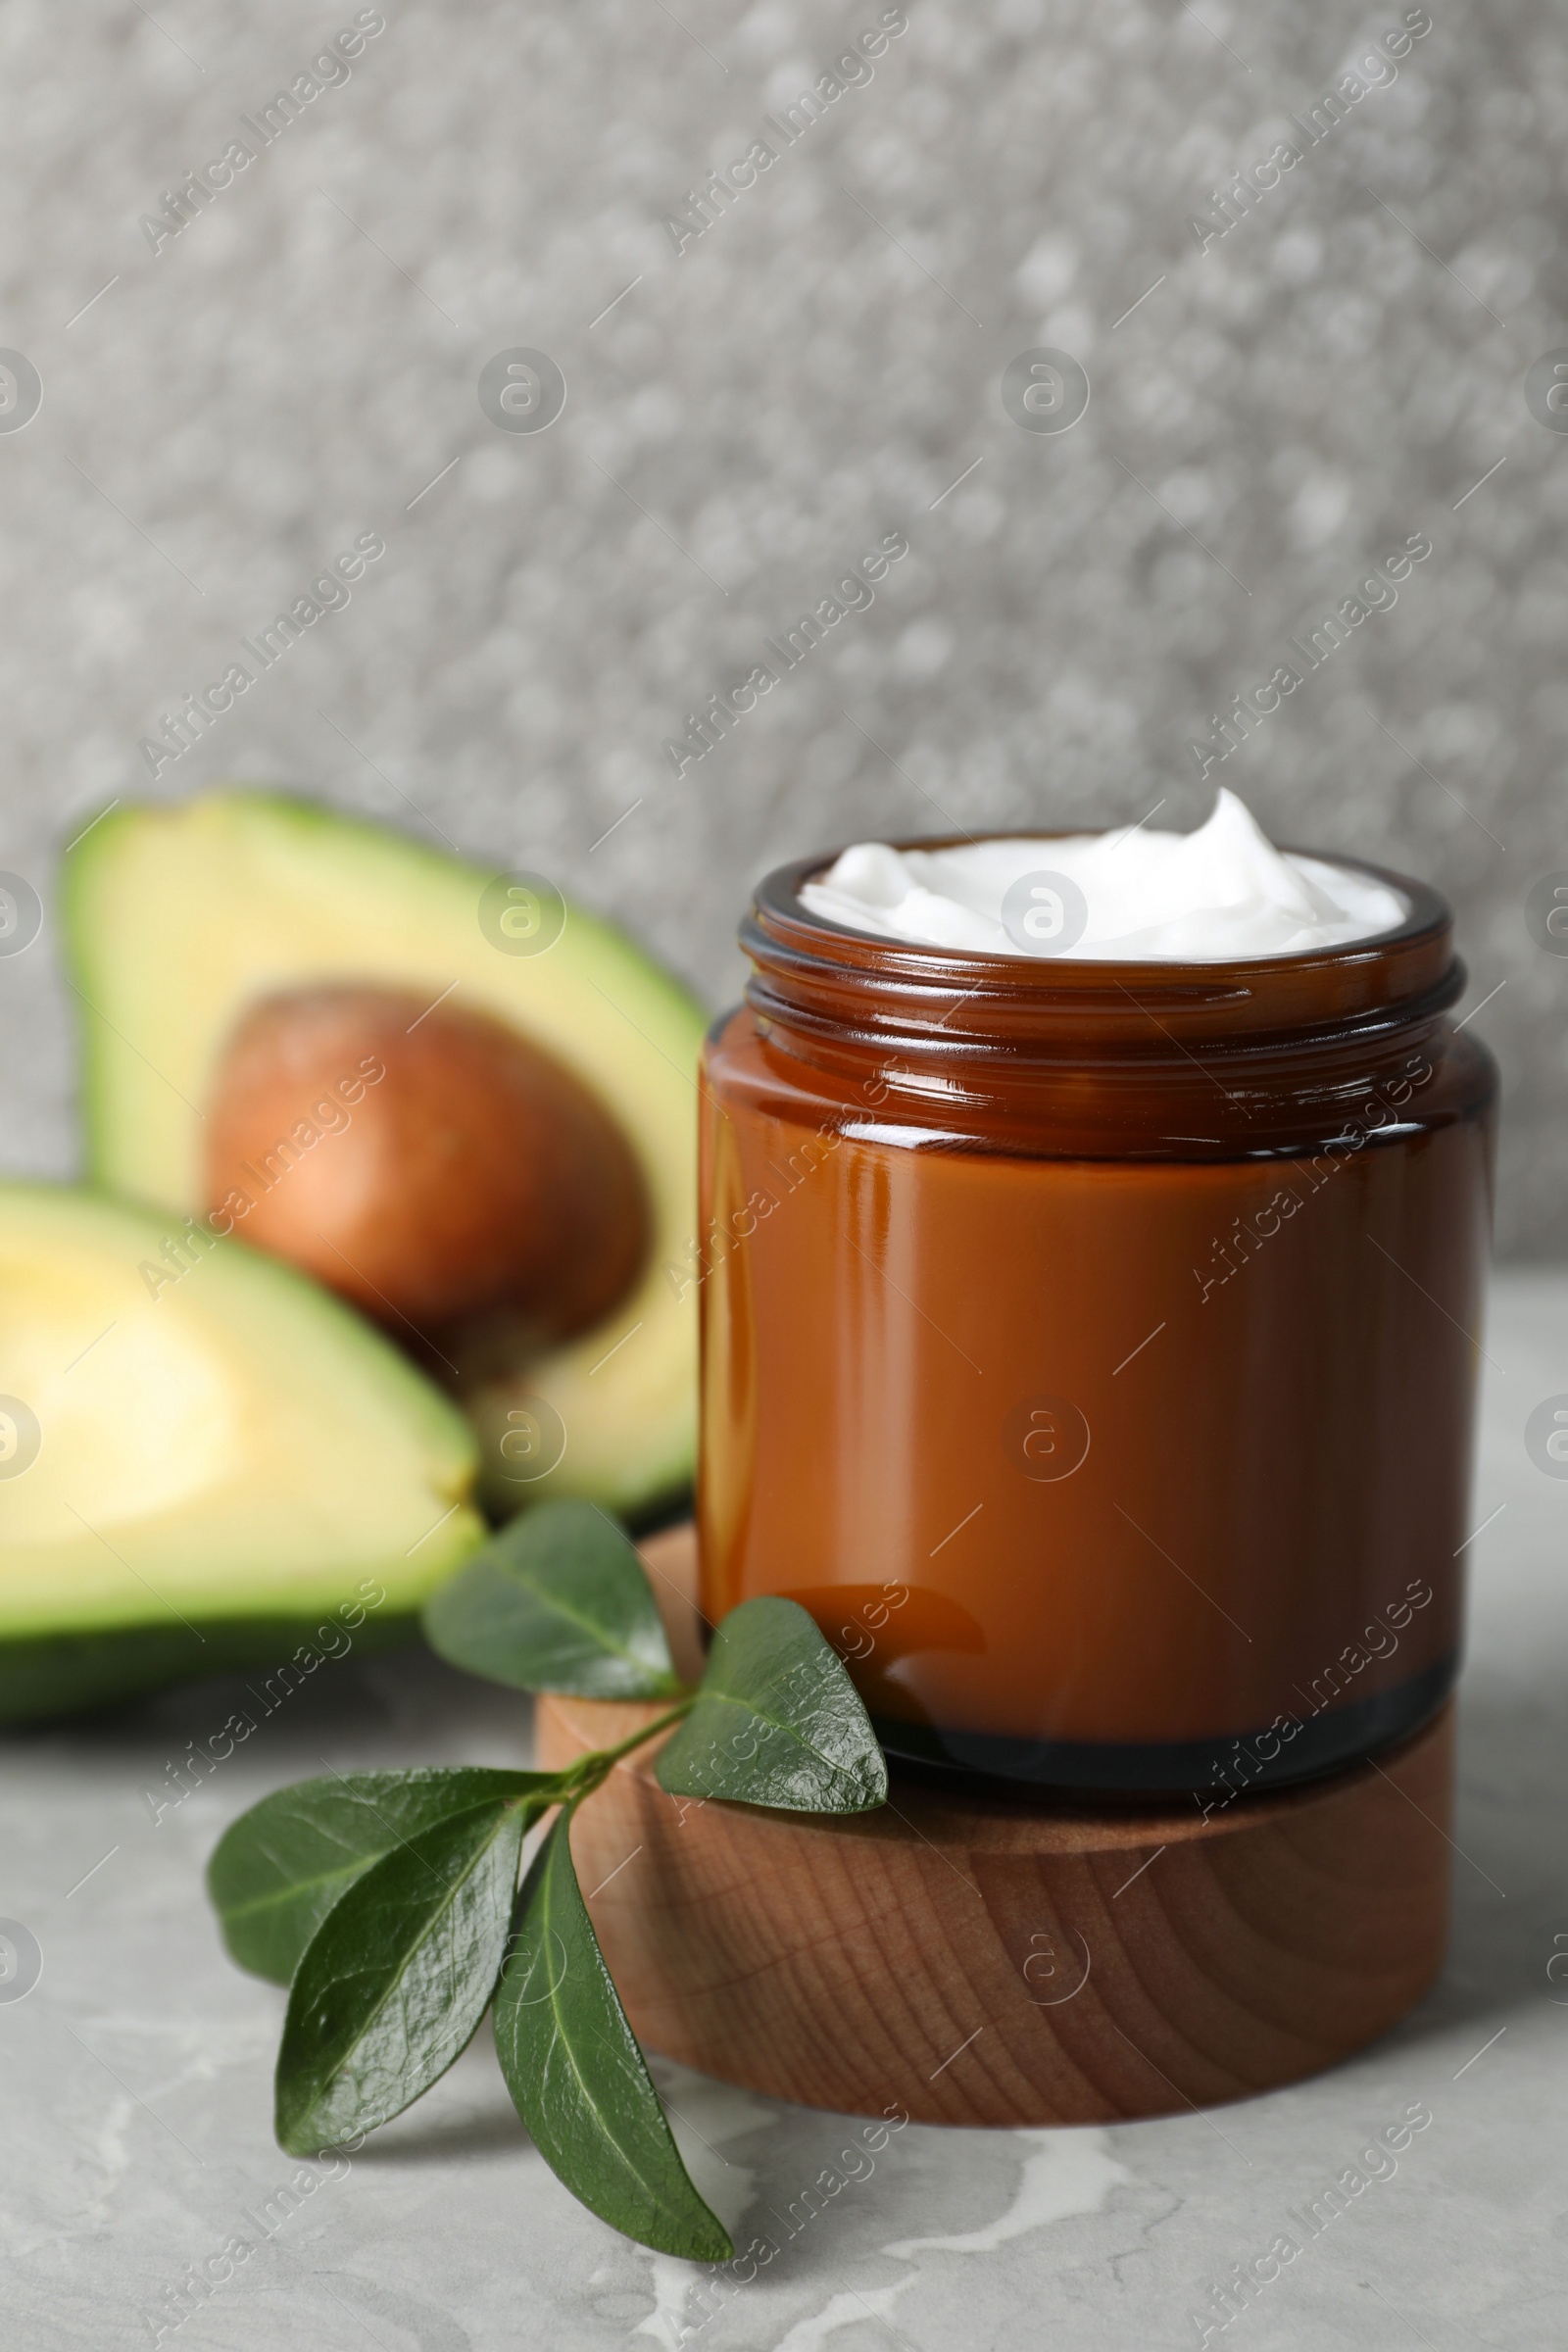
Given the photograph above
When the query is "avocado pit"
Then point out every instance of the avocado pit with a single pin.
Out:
(433, 1166)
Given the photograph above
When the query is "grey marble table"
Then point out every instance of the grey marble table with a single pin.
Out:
(136, 2145)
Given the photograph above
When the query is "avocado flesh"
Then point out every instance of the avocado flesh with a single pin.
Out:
(229, 1462)
(179, 918)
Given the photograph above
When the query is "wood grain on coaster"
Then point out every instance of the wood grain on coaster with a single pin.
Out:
(985, 1961)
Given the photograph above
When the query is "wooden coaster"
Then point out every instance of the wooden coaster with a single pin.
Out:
(980, 1961)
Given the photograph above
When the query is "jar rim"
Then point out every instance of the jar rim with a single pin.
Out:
(806, 960)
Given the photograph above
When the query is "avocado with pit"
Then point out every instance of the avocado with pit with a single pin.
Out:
(232, 952)
(206, 1462)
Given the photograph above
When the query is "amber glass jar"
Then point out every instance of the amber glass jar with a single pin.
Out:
(1091, 1347)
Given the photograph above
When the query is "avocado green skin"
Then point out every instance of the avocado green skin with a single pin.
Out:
(64, 1650)
(44, 1676)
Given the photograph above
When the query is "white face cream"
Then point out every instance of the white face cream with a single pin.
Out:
(1214, 895)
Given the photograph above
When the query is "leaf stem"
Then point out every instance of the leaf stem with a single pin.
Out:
(581, 1779)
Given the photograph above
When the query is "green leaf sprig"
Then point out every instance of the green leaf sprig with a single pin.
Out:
(388, 1901)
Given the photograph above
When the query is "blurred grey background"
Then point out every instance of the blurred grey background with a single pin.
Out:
(1271, 412)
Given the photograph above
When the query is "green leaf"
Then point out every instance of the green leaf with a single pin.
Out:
(558, 1600)
(397, 1976)
(574, 2070)
(277, 1871)
(777, 1721)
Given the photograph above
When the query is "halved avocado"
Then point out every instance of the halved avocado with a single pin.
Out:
(178, 920)
(206, 1460)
